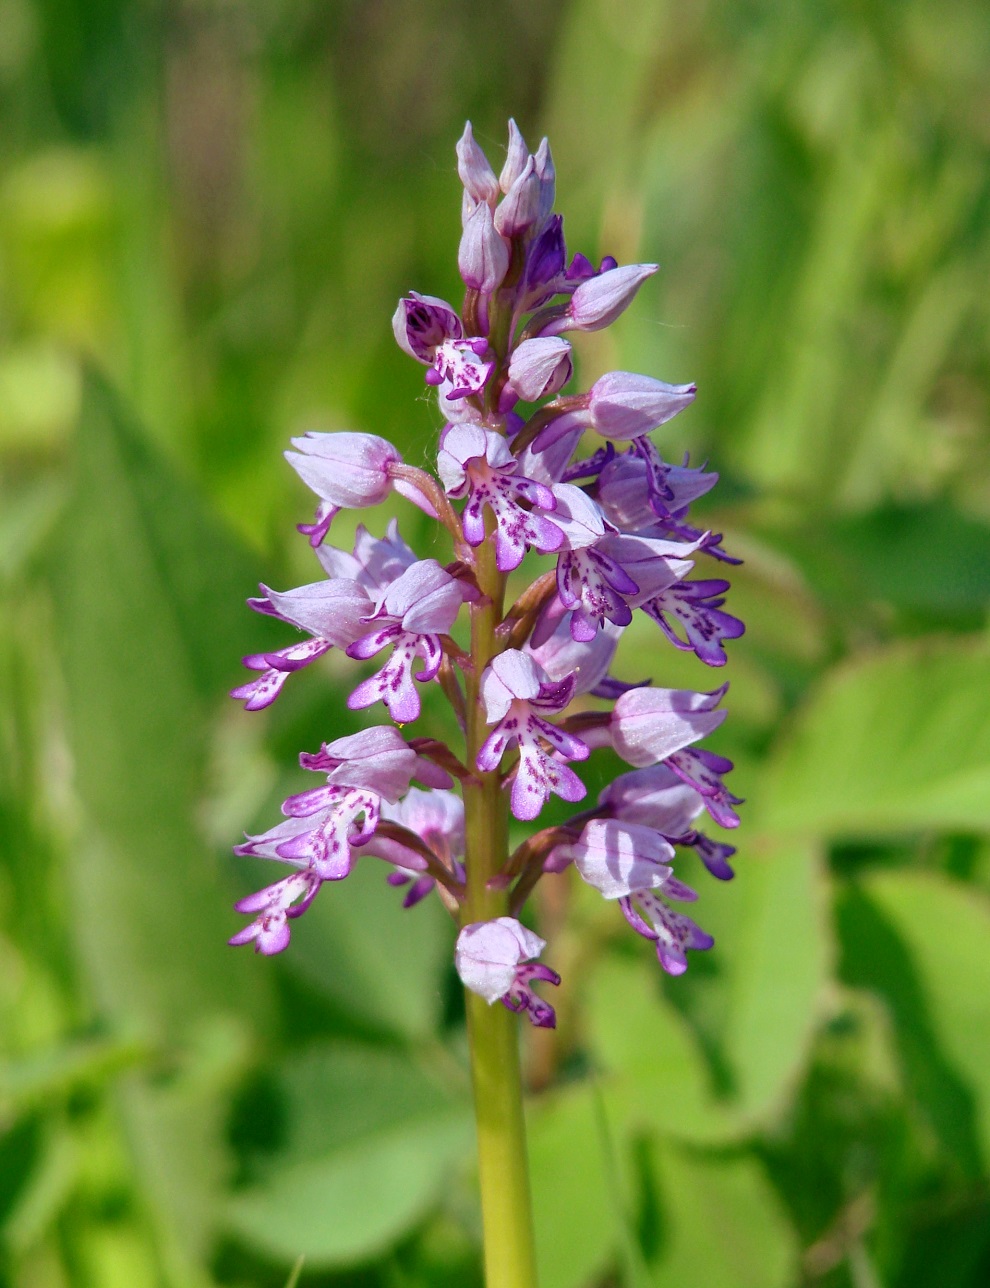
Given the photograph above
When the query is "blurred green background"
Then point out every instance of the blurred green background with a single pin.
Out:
(207, 211)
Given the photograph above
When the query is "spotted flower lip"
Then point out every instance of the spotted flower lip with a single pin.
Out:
(462, 367)
(332, 612)
(672, 932)
(274, 905)
(696, 606)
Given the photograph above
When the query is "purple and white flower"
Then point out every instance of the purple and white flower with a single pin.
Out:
(495, 959)
(348, 471)
(333, 614)
(696, 607)
(672, 932)
(478, 464)
(597, 302)
(517, 692)
(412, 614)
(437, 818)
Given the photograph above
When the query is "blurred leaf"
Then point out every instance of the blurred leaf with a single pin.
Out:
(39, 1204)
(342, 1092)
(39, 397)
(134, 577)
(660, 1077)
(138, 635)
(927, 560)
(371, 1141)
(774, 960)
(40, 1078)
(574, 1205)
(889, 743)
(921, 941)
(755, 1002)
(721, 1223)
(28, 516)
(117, 1256)
(380, 962)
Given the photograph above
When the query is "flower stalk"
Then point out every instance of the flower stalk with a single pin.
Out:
(493, 1035)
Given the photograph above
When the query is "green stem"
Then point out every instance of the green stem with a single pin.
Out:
(493, 1031)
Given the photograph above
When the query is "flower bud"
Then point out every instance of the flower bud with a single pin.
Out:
(561, 655)
(547, 175)
(653, 797)
(492, 960)
(488, 953)
(581, 518)
(598, 301)
(540, 366)
(547, 255)
(474, 169)
(519, 211)
(483, 257)
(624, 405)
(515, 158)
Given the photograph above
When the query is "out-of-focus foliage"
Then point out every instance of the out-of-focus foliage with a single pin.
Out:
(207, 210)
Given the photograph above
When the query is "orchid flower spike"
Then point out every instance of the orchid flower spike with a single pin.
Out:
(571, 494)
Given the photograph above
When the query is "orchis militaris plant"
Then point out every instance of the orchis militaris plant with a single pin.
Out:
(533, 696)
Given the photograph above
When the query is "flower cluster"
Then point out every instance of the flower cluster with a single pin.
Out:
(518, 469)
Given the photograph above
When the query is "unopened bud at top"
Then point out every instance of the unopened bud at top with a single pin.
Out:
(515, 158)
(519, 211)
(474, 169)
(547, 175)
